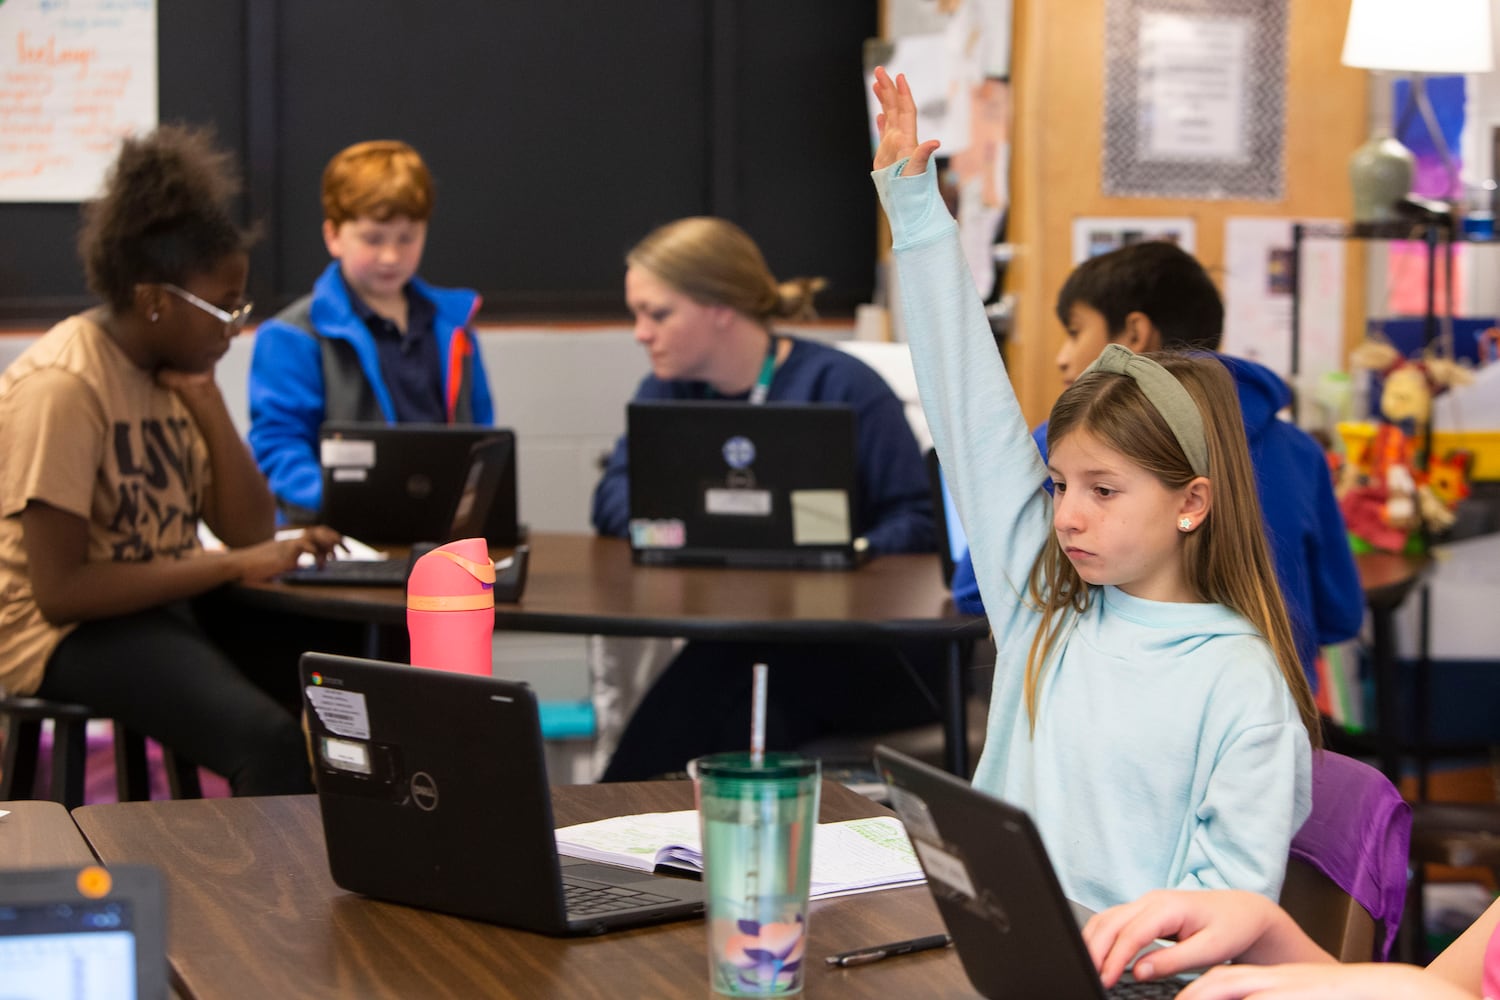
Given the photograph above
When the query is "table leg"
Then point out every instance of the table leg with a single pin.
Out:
(955, 712)
(1387, 695)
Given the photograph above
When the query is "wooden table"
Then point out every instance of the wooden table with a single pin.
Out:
(588, 585)
(40, 835)
(254, 913)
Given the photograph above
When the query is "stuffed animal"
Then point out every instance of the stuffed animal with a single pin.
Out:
(1393, 494)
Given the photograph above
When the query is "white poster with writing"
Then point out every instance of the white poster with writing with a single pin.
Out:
(75, 76)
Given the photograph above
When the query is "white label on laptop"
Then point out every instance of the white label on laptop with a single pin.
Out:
(820, 517)
(945, 868)
(343, 713)
(345, 475)
(738, 503)
(338, 452)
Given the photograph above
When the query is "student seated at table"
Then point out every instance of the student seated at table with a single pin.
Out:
(1272, 956)
(1155, 296)
(372, 342)
(705, 306)
(1149, 710)
(114, 442)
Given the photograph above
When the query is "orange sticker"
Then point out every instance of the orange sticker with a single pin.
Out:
(94, 882)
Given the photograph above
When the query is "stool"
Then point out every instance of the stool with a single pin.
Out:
(70, 751)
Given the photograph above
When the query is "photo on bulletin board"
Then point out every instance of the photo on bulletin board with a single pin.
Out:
(1095, 235)
(1195, 99)
(956, 55)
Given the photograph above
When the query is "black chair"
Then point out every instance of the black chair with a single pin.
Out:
(26, 715)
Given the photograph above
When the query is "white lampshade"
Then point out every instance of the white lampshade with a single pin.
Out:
(1431, 36)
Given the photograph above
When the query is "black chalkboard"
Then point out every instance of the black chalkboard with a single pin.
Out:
(559, 133)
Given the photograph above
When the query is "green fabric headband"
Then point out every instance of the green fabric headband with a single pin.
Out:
(1166, 394)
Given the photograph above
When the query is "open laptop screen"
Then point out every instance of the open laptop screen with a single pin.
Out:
(82, 934)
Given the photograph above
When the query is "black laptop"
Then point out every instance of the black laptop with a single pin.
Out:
(86, 932)
(433, 790)
(488, 463)
(730, 484)
(1014, 930)
(396, 484)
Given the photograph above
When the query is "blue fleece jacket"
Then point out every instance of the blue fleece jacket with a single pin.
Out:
(1304, 527)
(289, 387)
(1167, 751)
(895, 498)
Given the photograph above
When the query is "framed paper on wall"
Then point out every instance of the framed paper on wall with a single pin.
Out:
(1195, 98)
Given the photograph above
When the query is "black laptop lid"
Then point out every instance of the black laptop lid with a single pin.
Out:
(1012, 927)
(433, 790)
(725, 476)
(397, 484)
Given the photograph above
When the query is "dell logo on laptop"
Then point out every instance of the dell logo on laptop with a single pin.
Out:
(424, 791)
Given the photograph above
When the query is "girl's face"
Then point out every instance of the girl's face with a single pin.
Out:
(1117, 523)
(680, 336)
(189, 339)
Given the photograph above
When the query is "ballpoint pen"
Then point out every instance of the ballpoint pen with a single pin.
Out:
(877, 952)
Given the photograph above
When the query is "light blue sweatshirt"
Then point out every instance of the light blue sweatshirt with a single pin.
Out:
(1168, 752)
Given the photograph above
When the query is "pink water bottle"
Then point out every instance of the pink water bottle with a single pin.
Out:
(450, 608)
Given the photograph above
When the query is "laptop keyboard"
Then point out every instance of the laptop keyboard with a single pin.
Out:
(1160, 989)
(587, 899)
(353, 572)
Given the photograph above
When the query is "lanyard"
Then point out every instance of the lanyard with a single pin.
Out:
(762, 387)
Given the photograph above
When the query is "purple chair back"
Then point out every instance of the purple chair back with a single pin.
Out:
(1359, 836)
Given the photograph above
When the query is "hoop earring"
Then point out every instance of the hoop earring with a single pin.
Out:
(1185, 524)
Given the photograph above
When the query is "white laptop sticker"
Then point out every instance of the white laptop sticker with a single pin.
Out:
(945, 868)
(341, 712)
(338, 453)
(738, 503)
(820, 517)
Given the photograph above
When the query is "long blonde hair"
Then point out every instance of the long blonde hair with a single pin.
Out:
(1225, 559)
(714, 262)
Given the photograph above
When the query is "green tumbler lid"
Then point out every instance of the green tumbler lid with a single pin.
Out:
(773, 766)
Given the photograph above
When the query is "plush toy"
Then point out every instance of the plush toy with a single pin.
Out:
(1392, 493)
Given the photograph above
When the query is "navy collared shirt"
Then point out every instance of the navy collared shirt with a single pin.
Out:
(409, 362)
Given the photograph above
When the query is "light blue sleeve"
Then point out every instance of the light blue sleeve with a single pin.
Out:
(985, 447)
(1259, 794)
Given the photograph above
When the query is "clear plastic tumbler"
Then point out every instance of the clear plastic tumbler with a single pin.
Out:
(758, 822)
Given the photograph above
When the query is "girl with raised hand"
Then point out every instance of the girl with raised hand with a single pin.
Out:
(1149, 709)
(115, 441)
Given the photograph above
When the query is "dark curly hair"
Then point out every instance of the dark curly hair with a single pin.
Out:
(165, 214)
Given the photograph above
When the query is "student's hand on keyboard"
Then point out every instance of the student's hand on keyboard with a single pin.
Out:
(268, 559)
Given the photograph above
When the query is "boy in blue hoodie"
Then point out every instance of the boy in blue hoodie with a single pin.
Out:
(1154, 296)
(373, 342)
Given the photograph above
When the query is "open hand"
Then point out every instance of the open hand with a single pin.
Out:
(897, 125)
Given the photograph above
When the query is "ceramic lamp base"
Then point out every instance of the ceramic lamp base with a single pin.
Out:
(1380, 174)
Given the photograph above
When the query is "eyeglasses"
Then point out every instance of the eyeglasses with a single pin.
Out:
(235, 320)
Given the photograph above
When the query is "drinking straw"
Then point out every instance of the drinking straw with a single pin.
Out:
(758, 716)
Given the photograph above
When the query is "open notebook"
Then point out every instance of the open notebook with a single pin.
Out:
(857, 855)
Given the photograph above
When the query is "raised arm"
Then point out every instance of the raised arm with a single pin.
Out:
(989, 461)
